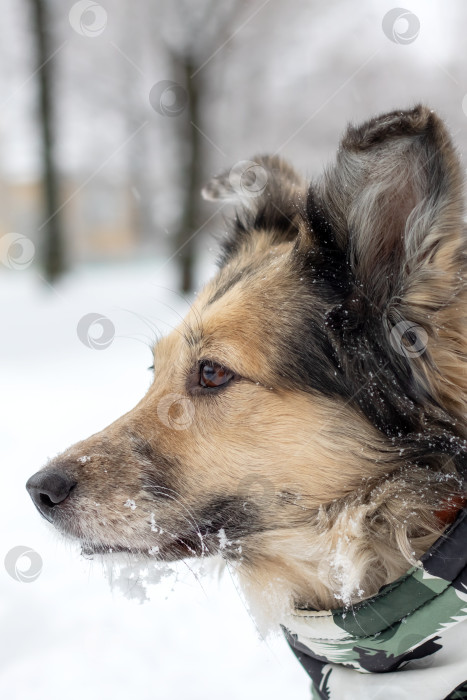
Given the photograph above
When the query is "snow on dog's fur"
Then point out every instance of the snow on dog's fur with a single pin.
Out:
(307, 418)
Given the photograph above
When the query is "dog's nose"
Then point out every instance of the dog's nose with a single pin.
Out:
(49, 488)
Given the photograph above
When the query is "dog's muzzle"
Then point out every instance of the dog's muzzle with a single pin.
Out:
(48, 489)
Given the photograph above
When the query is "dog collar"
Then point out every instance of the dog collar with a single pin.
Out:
(412, 624)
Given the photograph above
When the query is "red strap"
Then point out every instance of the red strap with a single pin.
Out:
(450, 508)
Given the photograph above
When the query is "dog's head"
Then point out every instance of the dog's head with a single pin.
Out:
(326, 355)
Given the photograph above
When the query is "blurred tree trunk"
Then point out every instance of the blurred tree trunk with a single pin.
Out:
(53, 246)
(134, 36)
(185, 240)
(186, 60)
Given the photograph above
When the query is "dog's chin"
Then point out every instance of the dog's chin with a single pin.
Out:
(88, 551)
(175, 551)
(186, 545)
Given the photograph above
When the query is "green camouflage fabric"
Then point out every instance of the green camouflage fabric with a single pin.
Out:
(405, 640)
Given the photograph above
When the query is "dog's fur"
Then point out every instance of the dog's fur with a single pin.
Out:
(321, 466)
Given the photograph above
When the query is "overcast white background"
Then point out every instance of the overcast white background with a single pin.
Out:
(290, 77)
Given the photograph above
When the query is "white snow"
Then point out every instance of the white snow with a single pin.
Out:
(67, 634)
(223, 541)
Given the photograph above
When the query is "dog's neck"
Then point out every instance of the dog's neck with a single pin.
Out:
(344, 557)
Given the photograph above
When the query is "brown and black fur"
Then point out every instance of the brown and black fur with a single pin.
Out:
(329, 444)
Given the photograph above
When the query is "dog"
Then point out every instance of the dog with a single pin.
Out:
(307, 418)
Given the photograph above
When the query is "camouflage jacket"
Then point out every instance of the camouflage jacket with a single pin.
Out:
(408, 641)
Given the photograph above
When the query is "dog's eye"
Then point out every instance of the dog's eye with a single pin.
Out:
(212, 375)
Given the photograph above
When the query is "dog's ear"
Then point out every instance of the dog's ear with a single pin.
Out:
(267, 195)
(393, 202)
(250, 183)
(390, 212)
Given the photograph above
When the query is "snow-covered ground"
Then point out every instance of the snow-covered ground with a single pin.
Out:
(67, 634)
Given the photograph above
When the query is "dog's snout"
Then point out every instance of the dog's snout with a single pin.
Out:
(49, 488)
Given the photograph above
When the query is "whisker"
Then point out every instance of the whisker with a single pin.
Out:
(148, 343)
(177, 499)
(191, 306)
(198, 580)
(147, 322)
(189, 336)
